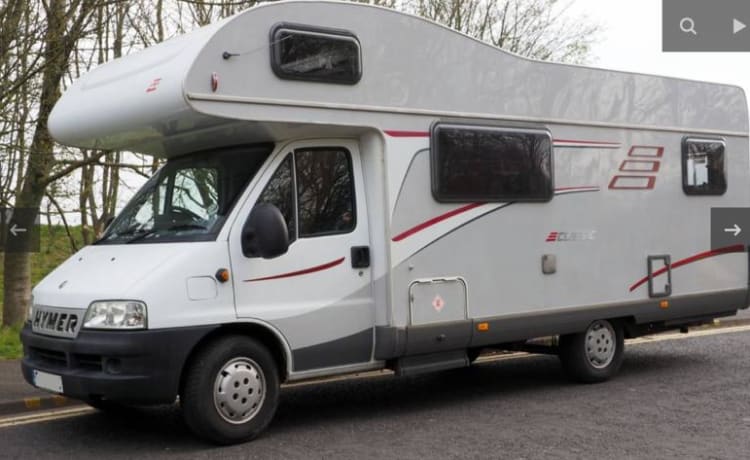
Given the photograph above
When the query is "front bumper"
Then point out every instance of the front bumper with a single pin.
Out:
(135, 367)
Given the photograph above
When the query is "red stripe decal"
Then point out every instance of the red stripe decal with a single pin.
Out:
(305, 271)
(396, 133)
(469, 207)
(435, 220)
(691, 259)
(647, 185)
(658, 151)
(626, 166)
(570, 141)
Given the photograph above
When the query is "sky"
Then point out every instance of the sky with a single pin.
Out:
(631, 41)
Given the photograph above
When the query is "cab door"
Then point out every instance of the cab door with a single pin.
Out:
(318, 294)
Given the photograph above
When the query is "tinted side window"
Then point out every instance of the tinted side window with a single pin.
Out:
(471, 163)
(313, 54)
(280, 193)
(325, 191)
(703, 167)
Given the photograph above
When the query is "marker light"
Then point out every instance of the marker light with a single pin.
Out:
(664, 304)
(222, 275)
(483, 327)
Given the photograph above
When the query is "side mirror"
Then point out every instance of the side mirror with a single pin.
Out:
(265, 233)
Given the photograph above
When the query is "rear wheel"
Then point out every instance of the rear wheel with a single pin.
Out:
(231, 390)
(594, 355)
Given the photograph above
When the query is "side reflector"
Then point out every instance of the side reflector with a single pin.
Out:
(483, 327)
(664, 304)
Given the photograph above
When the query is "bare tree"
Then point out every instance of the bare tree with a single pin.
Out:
(65, 25)
(540, 29)
(78, 35)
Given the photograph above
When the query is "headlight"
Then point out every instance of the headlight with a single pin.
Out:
(116, 314)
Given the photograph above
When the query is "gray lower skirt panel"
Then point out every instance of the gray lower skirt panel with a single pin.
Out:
(353, 349)
(523, 327)
(391, 342)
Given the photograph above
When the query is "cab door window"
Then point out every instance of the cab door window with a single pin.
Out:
(325, 191)
(280, 193)
(314, 190)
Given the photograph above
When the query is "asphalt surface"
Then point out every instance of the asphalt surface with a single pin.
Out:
(12, 385)
(741, 316)
(687, 398)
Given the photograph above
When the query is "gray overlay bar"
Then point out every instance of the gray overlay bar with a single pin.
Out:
(705, 25)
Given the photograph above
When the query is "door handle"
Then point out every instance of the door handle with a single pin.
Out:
(360, 256)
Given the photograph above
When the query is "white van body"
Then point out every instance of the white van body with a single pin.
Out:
(435, 279)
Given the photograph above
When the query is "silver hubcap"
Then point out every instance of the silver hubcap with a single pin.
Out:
(600, 344)
(239, 390)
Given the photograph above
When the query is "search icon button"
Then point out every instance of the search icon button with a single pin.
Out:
(687, 25)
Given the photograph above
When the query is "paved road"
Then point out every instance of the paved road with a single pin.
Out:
(742, 315)
(686, 398)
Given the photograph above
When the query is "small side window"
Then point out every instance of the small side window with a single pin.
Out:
(280, 193)
(703, 171)
(486, 164)
(315, 54)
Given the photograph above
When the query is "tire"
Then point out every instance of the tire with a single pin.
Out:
(230, 391)
(594, 355)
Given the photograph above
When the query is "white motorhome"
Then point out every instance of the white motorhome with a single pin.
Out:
(350, 188)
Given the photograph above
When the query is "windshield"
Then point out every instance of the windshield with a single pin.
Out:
(188, 199)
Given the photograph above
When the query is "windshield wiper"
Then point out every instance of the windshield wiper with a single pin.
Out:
(178, 227)
(140, 236)
(187, 227)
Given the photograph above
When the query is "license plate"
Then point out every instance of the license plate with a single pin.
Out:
(47, 381)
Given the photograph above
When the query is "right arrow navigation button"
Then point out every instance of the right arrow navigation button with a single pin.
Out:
(736, 230)
(730, 226)
(737, 25)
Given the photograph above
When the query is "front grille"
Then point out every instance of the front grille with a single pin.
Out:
(57, 322)
(49, 358)
(91, 362)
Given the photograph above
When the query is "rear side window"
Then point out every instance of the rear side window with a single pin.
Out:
(483, 163)
(315, 54)
(703, 169)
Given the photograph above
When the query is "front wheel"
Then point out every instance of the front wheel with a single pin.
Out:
(594, 355)
(231, 390)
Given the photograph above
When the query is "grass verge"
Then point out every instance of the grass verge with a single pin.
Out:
(10, 343)
(54, 249)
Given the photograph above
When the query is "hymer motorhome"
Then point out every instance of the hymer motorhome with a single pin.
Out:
(350, 188)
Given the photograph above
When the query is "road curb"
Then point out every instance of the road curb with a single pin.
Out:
(37, 403)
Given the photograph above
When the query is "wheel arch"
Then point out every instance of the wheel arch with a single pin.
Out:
(628, 325)
(263, 332)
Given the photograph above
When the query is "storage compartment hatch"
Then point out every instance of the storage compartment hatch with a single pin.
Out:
(437, 300)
